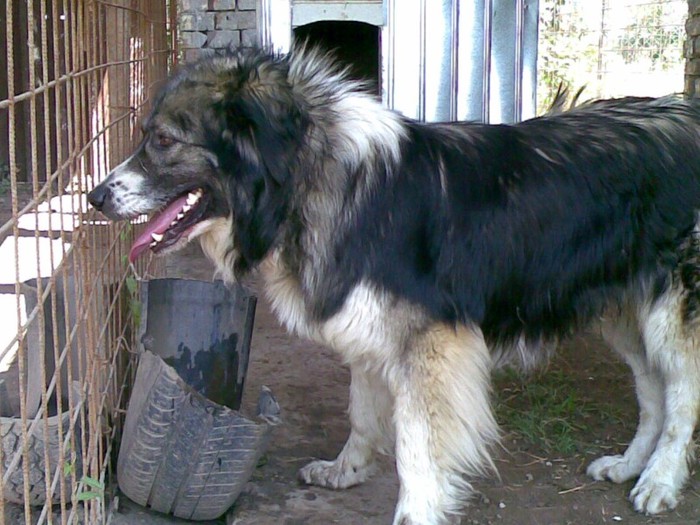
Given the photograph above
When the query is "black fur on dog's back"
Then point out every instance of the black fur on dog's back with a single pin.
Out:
(533, 226)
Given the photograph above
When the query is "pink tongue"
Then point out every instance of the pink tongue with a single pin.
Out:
(159, 223)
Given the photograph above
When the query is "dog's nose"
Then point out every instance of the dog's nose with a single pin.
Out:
(98, 196)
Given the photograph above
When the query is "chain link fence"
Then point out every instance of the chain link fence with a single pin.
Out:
(79, 74)
(611, 48)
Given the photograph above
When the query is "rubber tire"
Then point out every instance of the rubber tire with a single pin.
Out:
(181, 453)
(11, 435)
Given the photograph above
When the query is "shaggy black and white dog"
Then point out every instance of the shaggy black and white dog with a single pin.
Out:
(427, 254)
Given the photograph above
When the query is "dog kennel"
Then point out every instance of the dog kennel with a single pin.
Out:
(434, 60)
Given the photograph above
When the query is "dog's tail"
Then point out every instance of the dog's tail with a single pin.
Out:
(562, 100)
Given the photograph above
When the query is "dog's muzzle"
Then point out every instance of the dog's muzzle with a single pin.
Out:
(99, 196)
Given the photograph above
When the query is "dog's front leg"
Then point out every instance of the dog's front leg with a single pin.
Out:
(371, 432)
(444, 423)
(671, 341)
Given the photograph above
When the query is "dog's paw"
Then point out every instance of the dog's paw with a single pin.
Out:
(335, 474)
(652, 497)
(617, 469)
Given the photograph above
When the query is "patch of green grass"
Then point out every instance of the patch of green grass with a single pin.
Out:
(546, 410)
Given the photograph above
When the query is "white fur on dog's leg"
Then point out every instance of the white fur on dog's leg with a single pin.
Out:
(371, 431)
(671, 347)
(621, 468)
(425, 493)
(621, 331)
(666, 472)
(444, 423)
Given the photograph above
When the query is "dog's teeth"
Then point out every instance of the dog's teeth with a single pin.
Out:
(179, 216)
(153, 244)
(186, 208)
(192, 198)
(157, 237)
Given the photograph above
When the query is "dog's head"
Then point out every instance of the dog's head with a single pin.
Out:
(218, 149)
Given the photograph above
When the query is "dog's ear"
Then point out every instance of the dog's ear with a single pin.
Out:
(266, 128)
(272, 120)
(278, 129)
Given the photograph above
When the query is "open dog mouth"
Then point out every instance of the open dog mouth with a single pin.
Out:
(171, 223)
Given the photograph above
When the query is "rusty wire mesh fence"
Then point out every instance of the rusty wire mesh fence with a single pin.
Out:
(611, 48)
(77, 76)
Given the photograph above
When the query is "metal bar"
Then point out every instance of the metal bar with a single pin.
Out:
(454, 61)
(422, 59)
(58, 356)
(388, 55)
(488, 35)
(518, 60)
(47, 167)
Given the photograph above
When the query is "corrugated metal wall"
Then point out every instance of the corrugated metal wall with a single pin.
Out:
(441, 59)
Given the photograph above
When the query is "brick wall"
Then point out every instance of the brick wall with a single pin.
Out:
(692, 53)
(208, 25)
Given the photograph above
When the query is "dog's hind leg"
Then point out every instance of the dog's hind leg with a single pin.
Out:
(371, 432)
(671, 340)
(623, 334)
(444, 423)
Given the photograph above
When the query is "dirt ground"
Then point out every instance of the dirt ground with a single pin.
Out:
(541, 465)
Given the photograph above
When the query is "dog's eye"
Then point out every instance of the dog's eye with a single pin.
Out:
(164, 141)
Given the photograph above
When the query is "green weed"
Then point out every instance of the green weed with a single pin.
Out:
(97, 489)
(547, 410)
(92, 488)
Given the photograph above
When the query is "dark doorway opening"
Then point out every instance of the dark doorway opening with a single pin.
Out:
(353, 43)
